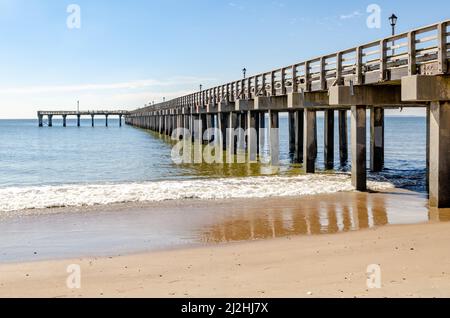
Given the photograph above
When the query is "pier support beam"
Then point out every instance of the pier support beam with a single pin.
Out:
(64, 120)
(41, 122)
(274, 120)
(92, 121)
(222, 120)
(78, 120)
(252, 135)
(310, 141)
(50, 120)
(377, 139)
(106, 120)
(343, 137)
(120, 121)
(359, 157)
(440, 155)
(292, 131)
(329, 139)
(231, 133)
(299, 118)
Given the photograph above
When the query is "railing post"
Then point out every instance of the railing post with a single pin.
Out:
(412, 66)
(359, 62)
(322, 74)
(442, 48)
(307, 86)
(383, 60)
(294, 79)
(339, 68)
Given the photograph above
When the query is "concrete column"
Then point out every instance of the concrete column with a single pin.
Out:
(210, 125)
(120, 120)
(78, 120)
(252, 136)
(64, 121)
(359, 157)
(440, 155)
(310, 141)
(329, 139)
(377, 139)
(274, 121)
(92, 121)
(291, 121)
(262, 133)
(299, 117)
(204, 120)
(231, 138)
(106, 120)
(343, 137)
(50, 120)
(40, 119)
(222, 120)
(428, 125)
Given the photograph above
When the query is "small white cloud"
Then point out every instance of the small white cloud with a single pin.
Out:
(352, 15)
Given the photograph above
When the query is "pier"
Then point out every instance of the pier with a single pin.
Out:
(406, 70)
(92, 114)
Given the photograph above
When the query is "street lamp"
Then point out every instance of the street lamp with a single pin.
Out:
(244, 71)
(393, 19)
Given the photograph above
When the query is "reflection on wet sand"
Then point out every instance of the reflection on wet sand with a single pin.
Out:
(352, 212)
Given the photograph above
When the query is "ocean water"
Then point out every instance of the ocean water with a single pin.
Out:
(57, 167)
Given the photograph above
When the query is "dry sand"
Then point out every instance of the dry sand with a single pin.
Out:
(414, 259)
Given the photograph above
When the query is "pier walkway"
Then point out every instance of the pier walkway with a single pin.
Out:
(406, 70)
(79, 114)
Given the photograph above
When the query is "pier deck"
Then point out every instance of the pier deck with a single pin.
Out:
(79, 114)
(406, 70)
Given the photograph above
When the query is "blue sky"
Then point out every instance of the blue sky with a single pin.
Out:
(128, 53)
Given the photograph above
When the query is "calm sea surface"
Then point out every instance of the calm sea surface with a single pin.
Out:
(38, 165)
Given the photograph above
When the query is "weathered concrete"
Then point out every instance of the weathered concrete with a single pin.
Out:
(329, 139)
(252, 136)
(310, 141)
(424, 88)
(291, 123)
(365, 95)
(359, 157)
(343, 137)
(377, 139)
(440, 155)
(299, 118)
(274, 121)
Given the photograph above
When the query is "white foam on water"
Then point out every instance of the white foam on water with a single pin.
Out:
(24, 198)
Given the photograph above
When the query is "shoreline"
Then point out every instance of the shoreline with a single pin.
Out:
(413, 259)
(122, 229)
(313, 246)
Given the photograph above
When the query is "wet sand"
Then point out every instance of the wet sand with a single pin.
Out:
(300, 247)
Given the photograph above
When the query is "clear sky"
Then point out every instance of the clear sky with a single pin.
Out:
(128, 53)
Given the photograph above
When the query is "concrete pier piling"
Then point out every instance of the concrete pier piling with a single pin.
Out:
(310, 141)
(299, 117)
(359, 157)
(343, 137)
(341, 81)
(329, 139)
(377, 139)
(440, 154)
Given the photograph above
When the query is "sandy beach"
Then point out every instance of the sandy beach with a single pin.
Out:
(332, 262)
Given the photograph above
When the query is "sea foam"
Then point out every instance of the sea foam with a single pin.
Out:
(41, 197)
